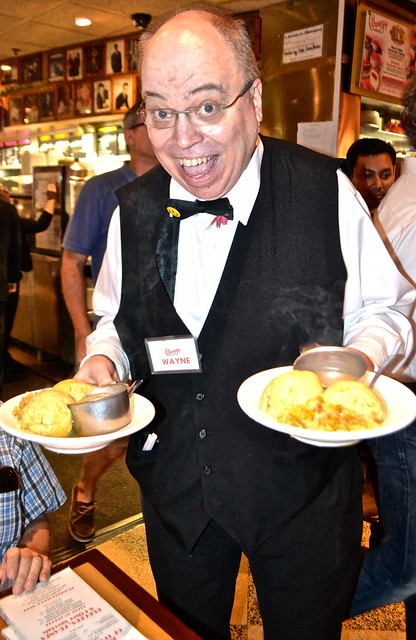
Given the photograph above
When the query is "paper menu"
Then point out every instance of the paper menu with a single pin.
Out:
(66, 608)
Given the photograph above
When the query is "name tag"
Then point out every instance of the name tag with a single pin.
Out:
(173, 354)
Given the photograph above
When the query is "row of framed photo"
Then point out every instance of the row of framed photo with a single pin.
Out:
(72, 99)
(90, 60)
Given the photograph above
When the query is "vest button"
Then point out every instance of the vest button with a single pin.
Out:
(207, 470)
(202, 434)
(200, 396)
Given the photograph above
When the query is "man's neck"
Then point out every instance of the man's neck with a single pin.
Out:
(142, 164)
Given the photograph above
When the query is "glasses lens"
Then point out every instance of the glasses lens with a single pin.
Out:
(10, 479)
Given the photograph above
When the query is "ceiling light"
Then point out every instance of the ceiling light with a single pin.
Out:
(5, 67)
(82, 22)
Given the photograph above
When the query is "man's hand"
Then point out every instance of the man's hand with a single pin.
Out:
(23, 568)
(97, 370)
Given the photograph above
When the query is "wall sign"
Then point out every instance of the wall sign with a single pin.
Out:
(384, 55)
(303, 44)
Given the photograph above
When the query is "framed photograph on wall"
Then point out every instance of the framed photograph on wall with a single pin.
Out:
(94, 59)
(102, 96)
(15, 110)
(132, 56)
(123, 95)
(32, 68)
(47, 105)
(74, 60)
(115, 57)
(83, 98)
(56, 66)
(65, 100)
(31, 108)
(10, 76)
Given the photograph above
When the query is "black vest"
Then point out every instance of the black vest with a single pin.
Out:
(282, 287)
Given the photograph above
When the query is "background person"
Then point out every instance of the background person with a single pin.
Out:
(86, 235)
(389, 570)
(251, 292)
(29, 490)
(371, 163)
(9, 268)
(14, 370)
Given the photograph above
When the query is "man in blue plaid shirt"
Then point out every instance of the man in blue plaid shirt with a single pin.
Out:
(29, 490)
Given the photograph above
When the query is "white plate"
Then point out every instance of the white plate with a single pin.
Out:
(142, 410)
(400, 401)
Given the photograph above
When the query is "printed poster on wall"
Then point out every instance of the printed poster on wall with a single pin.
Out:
(388, 56)
(303, 44)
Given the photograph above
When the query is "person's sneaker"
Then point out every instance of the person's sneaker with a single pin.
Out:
(81, 519)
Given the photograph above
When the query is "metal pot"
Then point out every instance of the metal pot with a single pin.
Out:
(108, 412)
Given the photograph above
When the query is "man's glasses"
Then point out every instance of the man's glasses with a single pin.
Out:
(10, 479)
(209, 112)
(139, 124)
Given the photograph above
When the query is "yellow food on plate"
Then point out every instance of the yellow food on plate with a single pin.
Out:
(77, 389)
(45, 413)
(353, 405)
(293, 397)
(299, 400)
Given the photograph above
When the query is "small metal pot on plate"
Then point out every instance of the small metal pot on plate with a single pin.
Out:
(332, 364)
(108, 412)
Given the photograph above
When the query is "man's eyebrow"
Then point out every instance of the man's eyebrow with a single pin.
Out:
(210, 86)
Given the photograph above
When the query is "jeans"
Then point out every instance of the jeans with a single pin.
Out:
(388, 573)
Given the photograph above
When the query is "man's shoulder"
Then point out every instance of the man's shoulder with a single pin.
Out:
(286, 150)
(153, 181)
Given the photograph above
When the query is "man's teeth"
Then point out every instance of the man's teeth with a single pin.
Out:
(193, 162)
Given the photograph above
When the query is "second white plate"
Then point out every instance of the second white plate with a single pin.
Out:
(400, 401)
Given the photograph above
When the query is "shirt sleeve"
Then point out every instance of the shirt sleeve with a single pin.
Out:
(84, 224)
(378, 299)
(41, 492)
(106, 301)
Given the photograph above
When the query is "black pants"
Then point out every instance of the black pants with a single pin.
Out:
(304, 585)
(2, 342)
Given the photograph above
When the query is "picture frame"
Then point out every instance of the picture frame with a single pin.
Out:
(115, 57)
(94, 59)
(384, 57)
(31, 108)
(47, 105)
(102, 96)
(56, 66)
(15, 110)
(65, 104)
(123, 93)
(132, 54)
(11, 76)
(32, 68)
(252, 21)
(83, 98)
(74, 64)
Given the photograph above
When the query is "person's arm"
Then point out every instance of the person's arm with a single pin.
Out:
(23, 566)
(75, 295)
(106, 359)
(29, 225)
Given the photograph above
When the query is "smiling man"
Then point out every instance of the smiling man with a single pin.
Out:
(233, 298)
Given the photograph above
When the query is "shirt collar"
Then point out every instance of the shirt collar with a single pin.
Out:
(243, 194)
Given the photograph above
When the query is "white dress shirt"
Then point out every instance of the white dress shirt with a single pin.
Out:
(396, 223)
(377, 297)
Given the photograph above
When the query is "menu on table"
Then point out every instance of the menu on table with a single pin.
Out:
(65, 608)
